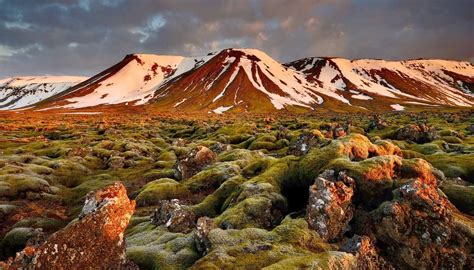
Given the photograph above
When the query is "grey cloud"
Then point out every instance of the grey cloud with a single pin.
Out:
(85, 36)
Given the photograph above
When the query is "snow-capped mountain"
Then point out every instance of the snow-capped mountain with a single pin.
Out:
(248, 80)
(421, 82)
(243, 80)
(25, 91)
(133, 81)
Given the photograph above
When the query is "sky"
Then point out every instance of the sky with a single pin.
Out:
(83, 37)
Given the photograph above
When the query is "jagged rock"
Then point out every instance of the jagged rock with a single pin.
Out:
(204, 226)
(305, 142)
(417, 229)
(376, 123)
(95, 241)
(330, 207)
(365, 252)
(420, 133)
(219, 147)
(195, 161)
(174, 216)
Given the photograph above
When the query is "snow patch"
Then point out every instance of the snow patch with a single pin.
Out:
(397, 107)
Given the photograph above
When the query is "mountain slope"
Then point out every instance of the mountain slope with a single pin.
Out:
(422, 82)
(243, 80)
(20, 92)
(248, 80)
(133, 81)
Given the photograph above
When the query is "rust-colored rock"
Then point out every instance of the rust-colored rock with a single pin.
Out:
(417, 229)
(366, 253)
(95, 241)
(330, 204)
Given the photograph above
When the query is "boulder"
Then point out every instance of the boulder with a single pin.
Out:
(195, 161)
(204, 226)
(419, 133)
(366, 254)
(174, 216)
(305, 142)
(330, 206)
(417, 229)
(95, 241)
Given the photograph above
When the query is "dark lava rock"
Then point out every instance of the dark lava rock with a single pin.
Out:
(174, 216)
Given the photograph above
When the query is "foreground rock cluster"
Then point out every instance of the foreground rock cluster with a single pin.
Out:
(95, 241)
(351, 192)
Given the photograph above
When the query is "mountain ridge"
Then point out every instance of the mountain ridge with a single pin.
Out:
(249, 80)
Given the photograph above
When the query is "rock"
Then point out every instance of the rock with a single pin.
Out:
(376, 123)
(219, 147)
(419, 133)
(116, 162)
(195, 161)
(471, 128)
(204, 226)
(95, 241)
(174, 216)
(365, 252)
(418, 231)
(330, 207)
(305, 142)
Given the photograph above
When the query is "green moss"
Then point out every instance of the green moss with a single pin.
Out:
(153, 248)
(212, 177)
(212, 205)
(157, 174)
(427, 148)
(461, 196)
(242, 157)
(451, 139)
(161, 189)
(325, 261)
(253, 248)
(16, 239)
(47, 224)
(454, 165)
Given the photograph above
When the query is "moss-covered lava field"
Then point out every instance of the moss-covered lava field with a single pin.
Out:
(341, 191)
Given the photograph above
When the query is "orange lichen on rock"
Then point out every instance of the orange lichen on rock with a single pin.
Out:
(95, 241)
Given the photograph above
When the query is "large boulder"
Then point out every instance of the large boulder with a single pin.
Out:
(95, 241)
(417, 229)
(330, 206)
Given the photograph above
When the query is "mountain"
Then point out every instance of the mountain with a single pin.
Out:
(132, 81)
(248, 80)
(21, 92)
(377, 83)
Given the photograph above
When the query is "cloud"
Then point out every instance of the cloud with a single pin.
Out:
(83, 36)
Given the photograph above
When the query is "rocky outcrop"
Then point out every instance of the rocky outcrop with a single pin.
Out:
(367, 257)
(305, 142)
(195, 161)
(204, 226)
(95, 241)
(418, 230)
(174, 216)
(330, 204)
(419, 133)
